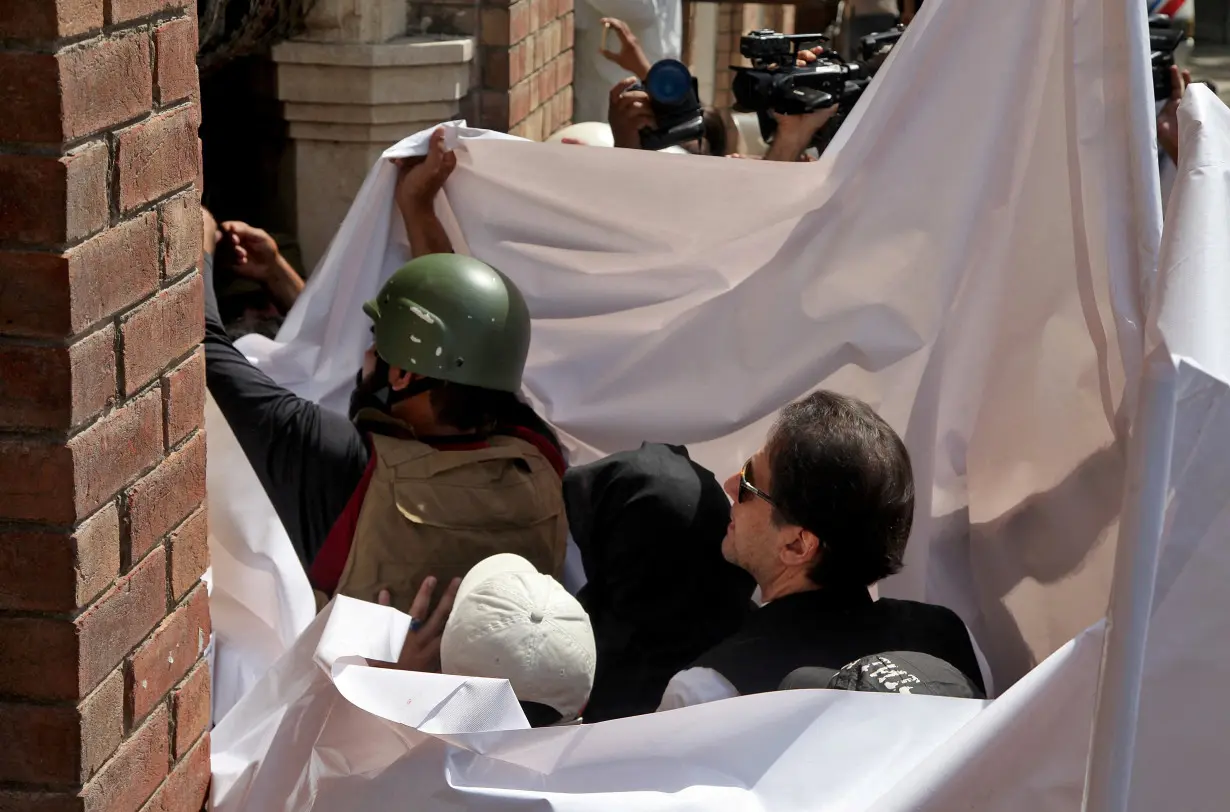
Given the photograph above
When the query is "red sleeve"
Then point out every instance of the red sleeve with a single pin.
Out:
(326, 570)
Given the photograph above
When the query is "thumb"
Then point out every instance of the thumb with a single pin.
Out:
(384, 598)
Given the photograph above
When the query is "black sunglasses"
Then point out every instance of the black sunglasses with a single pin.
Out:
(746, 488)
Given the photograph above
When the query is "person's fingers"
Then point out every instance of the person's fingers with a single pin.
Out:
(435, 624)
(241, 256)
(572, 141)
(1176, 83)
(620, 87)
(384, 598)
(429, 655)
(611, 55)
(422, 600)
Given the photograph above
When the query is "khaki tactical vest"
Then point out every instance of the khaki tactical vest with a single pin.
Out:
(440, 512)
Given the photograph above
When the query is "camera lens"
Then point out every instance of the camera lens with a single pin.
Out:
(669, 82)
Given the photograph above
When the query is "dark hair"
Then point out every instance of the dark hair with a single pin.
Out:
(1211, 84)
(483, 411)
(838, 470)
(715, 131)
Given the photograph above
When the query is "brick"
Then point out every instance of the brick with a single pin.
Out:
(187, 787)
(111, 628)
(536, 94)
(176, 48)
(169, 654)
(190, 709)
(132, 776)
(56, 387)
(518, 103)
(48, 201)
(165, 496)
(498, 71)
(52, 98)
(530, 43)
(62, 744)
(49, 20)
(45, 571)
(62, 483)
(162, 329)
(564, 67)
(181, 234)
(188, 548)
(156, 157)
(565, 7)
(57, 295)
(57, 659)
(518, 21)
(565, 105)
(183, 398)
(569, 31)
(494, 30)
(536, 20)
(122, 11)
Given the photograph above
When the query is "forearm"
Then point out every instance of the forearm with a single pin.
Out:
(426, 233)
(787, 146)
(284, 284)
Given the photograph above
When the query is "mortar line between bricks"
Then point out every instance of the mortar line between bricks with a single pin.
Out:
(182, 444)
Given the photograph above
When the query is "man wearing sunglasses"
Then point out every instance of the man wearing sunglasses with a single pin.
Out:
(821, 513)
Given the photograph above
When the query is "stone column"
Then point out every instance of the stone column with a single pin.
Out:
(104, 697)
(353, 85)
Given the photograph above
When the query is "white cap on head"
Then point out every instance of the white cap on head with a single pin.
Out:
(512, 622)
(590, 133)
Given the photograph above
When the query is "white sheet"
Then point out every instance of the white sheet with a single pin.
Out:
(996, 319)
(970, 257)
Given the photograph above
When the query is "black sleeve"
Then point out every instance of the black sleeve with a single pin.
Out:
(309, 459)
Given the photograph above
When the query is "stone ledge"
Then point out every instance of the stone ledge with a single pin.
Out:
(365, 114)
(405, 52)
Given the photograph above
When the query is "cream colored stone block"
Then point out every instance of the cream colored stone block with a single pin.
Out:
(328, 175)
(356, 20)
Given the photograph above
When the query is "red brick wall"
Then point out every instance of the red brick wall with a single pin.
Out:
(522, 80)
(104, 698)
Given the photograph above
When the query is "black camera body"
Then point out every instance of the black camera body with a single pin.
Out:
(1165, 36)
(775, 84)
(675, 99)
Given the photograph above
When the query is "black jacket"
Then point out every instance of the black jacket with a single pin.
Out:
(832, 629)
(649, 524)
(308, 459)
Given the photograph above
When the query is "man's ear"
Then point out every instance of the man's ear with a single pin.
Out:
(399, 379)
(802, 550)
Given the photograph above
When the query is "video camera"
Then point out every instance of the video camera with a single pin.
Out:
(1165, 36)
(675, 100)
(775, 84)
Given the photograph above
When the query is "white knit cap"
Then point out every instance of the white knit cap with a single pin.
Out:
(512, 622)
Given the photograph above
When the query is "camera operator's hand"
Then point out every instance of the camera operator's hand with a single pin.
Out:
(1168, 118)
(794, 134)
(807, 56)
(630, 57)
(629, 113)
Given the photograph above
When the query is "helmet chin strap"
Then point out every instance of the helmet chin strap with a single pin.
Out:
(375, 392)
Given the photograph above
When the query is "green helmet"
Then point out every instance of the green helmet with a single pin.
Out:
(453, 318)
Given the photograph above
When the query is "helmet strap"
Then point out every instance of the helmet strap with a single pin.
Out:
(375, 392)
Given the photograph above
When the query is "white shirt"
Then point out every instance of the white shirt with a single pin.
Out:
(696, 686)
(657, 24)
